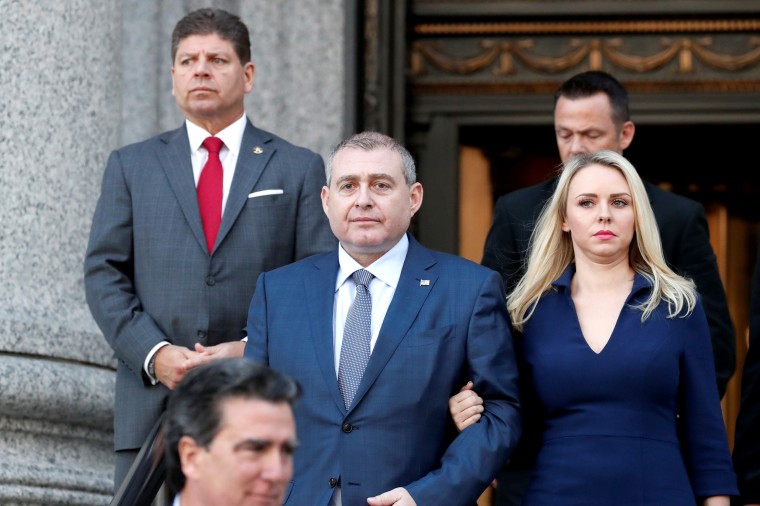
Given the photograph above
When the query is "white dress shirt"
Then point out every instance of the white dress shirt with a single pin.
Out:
(386, 271)
(232, 136)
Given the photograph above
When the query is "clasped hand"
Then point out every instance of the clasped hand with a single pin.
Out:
(173, 362)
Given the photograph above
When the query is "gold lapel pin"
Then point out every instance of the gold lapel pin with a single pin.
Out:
(424, 282)
(257, 150)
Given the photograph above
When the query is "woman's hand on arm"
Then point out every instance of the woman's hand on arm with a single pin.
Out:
(717, 500)
(466, 407)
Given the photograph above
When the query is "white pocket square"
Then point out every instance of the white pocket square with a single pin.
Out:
(261, 193)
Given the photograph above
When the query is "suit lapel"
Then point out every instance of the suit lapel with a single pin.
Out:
(255, 152)
(319, 286)
(413, 288)
(175, 160)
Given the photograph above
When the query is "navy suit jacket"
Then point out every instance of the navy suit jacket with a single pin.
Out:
(148, 273)
(446, 324)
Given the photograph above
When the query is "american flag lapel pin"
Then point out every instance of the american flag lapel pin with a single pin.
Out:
(424, 282)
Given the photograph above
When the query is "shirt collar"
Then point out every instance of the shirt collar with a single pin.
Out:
(232, 136)
(387, 268)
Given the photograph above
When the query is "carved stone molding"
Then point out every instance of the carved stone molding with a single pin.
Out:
(716, 55)
(595, 52)
(549, 27)
(545, 8)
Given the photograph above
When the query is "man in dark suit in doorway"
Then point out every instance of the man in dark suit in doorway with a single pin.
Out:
(591, 113)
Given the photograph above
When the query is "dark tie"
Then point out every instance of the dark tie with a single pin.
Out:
(357, 333)
(210, 191)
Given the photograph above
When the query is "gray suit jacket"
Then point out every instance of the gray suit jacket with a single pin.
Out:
(148, 274)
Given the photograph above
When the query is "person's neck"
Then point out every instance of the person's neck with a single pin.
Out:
(214, 125)
(187, 497)
(365, 260)
(593, 277)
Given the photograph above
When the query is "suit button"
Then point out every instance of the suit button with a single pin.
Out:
(347, 427)
(332, 482)
(210, 281)
(201, 334)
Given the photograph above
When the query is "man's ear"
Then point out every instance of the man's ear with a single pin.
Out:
(325, 198)
(416, 197)
(626, 134)
(189, 453)
(248, 71)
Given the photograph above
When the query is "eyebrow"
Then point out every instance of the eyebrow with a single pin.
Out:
(263, 443)
(210, 54)
(619, 194)
(374, 175)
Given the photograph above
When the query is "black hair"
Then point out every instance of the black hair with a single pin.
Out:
(592, 82)
(194, 407)
(214, 21)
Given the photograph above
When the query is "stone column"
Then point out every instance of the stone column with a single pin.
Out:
(299, 48)
(59, 108)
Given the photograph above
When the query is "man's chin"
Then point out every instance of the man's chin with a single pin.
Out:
(366, 247)
(203, 107)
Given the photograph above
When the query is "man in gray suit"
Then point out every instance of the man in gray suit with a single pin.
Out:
(181, 232)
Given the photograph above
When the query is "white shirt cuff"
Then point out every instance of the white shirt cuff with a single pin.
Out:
(152, 352)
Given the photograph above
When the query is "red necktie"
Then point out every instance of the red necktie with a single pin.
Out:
(210, 191)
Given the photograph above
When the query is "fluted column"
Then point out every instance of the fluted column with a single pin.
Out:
(78, 79)
(59, 115)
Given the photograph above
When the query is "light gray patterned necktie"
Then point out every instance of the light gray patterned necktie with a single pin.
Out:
(357, 333)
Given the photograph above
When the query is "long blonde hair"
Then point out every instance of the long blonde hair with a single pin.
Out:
(551, 249)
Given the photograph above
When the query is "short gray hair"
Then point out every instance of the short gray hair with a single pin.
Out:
(370, 141)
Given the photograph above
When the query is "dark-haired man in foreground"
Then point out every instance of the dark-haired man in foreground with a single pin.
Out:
(229, 435)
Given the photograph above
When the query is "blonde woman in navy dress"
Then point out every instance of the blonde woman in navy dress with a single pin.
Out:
(616, 354)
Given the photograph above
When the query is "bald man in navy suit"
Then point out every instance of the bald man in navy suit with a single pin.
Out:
(436, 320)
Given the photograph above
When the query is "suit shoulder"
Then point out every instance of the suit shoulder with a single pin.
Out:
(467, 277)
(299, 266)
(281, 143)
(151, 142)
(537, 193)
(664, 199)
(454, 263)
(675, 214)
(523, 206)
